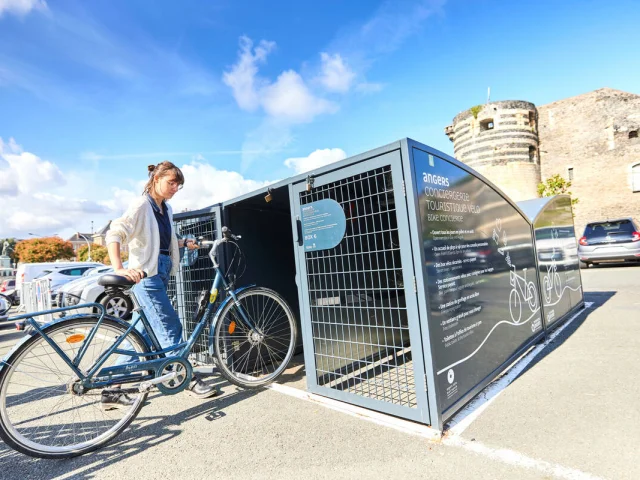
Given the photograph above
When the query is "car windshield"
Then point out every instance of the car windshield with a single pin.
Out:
(619, 228)
(44, 272)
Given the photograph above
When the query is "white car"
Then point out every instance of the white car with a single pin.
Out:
(60, 276)
(87, 290)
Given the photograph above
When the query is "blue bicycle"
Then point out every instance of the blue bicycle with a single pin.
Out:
(51, 382)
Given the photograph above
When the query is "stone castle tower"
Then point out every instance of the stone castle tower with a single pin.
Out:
(500, 140)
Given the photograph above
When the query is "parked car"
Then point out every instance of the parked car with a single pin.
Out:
(60, 276)
(27, 272)
(87, 290)
(610, 241)
(8, 288)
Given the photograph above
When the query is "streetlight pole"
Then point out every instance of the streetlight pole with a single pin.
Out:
(88, 246)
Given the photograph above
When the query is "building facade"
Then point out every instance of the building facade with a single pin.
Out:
(590, 140)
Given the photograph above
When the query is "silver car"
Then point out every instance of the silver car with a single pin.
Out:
(610, 241)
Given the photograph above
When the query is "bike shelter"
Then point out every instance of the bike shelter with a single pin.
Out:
(412, 276)
(558, 262)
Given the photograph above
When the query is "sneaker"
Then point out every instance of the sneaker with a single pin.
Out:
(197, 388)
(111, 399)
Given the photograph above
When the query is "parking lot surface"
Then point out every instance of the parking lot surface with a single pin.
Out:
(573, 412)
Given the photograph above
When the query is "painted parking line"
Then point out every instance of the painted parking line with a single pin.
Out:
(461, 421)
(517, 459)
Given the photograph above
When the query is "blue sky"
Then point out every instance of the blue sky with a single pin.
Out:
(243, 93)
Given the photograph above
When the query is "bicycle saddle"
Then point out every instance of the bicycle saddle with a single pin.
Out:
(110, 280)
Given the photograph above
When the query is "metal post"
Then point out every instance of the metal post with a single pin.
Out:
(88, 246)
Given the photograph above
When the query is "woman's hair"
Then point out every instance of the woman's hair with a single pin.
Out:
(156, 172)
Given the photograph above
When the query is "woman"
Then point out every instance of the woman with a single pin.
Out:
(147, 228)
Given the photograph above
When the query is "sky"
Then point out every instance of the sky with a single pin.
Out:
(241, 94)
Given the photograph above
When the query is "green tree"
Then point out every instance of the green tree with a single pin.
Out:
(555, 185)
(45, 249)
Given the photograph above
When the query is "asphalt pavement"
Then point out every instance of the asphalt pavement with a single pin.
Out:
(572, 413)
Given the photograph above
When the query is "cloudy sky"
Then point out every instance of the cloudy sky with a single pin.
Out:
(239, 94)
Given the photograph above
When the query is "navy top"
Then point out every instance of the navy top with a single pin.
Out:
(164, 226)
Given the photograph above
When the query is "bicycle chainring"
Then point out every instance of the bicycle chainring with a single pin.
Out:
(183, 371)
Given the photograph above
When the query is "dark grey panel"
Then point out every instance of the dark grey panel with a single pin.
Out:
(481, 283)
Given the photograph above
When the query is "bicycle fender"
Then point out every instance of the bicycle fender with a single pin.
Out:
(224, 303)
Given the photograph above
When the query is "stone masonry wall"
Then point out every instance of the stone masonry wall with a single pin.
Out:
(594, 134)
(500, 140)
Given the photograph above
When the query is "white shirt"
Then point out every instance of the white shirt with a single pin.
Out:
(139, 229)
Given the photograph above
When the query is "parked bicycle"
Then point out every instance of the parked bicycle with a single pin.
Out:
(52, 381)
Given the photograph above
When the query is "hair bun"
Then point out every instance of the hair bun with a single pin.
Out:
(151, 168)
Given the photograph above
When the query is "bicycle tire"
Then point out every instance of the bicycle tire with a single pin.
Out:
(5, 304)
(31, 437)
(239, 352)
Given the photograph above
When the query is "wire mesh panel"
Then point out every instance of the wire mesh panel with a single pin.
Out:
(356, 295)
(185, 288)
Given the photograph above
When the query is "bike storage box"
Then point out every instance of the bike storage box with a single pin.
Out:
(558, 263)
(417, 281)
(413, 278)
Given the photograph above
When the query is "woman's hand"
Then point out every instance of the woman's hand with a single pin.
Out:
(133, 274)
(189, 243)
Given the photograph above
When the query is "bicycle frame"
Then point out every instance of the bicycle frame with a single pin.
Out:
(98, 377)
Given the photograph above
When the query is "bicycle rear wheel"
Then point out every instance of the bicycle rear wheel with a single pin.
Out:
(39, 414)
(250, 358)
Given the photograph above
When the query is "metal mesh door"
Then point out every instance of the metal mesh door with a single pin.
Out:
(186, 286)
(356, 295)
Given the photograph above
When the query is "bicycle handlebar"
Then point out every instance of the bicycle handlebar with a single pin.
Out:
(214, 244)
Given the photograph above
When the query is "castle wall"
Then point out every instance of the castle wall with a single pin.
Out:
(590, 134)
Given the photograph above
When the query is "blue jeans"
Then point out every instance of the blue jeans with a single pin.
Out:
(151, 292)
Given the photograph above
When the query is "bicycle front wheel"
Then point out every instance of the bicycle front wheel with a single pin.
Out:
(253, 357)
(41, 414)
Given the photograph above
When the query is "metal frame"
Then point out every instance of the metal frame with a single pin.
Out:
(182, 285)
(419, 409)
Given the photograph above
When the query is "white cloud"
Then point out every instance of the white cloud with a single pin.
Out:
(335, 76)
(316, 159)
(243, 78)
(21, 7)
(41, 198)
(287, 100)
(205, 185)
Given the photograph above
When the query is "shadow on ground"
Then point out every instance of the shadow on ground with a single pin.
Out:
(145, 432)
(598, 299)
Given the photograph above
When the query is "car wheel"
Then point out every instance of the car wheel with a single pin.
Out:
(584, 264)
(118, 305)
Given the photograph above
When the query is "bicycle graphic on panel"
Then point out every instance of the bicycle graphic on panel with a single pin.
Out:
(552, 280)
(523, 290)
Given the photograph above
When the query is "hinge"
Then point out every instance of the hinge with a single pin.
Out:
(415, 285)
(426, 389)
(404, 189)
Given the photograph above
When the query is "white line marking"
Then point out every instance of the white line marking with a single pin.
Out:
(405, 426)
(511, 457)
(461, 420)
